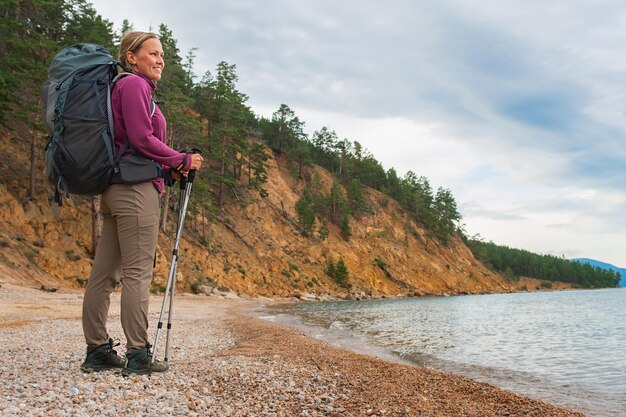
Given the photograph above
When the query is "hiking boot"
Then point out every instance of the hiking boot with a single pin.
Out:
(102, 357)
(139, 363)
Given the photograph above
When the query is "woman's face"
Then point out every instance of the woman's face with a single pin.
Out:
(148, 60)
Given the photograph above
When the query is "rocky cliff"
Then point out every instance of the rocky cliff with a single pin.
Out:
(253, 248)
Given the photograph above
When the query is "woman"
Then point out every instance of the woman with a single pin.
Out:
(131, 215)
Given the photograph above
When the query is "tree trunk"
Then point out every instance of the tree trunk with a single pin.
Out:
(31, 194)
(165, 208)
(220, 197)
(95, 224)
(203, 222)
(165, 202)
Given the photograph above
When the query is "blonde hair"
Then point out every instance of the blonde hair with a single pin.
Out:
(131, 42)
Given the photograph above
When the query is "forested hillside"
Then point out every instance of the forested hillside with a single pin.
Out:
(514, 263)
(331, 194)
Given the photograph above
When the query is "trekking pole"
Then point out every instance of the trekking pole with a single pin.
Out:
(186, 185)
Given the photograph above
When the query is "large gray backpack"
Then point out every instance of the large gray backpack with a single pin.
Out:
(76, 102)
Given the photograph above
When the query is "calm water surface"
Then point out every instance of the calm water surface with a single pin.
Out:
(567, 348)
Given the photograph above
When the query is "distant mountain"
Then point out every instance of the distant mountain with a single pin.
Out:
(604, 265)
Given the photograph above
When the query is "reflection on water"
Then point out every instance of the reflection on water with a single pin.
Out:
(568, 348)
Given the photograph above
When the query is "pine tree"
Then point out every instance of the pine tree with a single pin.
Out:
(85, 25)
(318, 195)
(331, 269)
(184, 129)
(286, 129)
(257, 168)
(342, 150)
(117, 36)
(419, 200)
(346, 230)
(336, 202)
(338, 271)
(31, 33)
(342, 272)
(323, 232)
(355, 197)
(306, 215)
(393, 185)
(324, 141)
(301, 152)
(227, 124)
(447, 215)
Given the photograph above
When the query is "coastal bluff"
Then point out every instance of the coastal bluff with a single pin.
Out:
(251, 246)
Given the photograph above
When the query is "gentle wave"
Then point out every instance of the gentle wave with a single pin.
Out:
(567, 348)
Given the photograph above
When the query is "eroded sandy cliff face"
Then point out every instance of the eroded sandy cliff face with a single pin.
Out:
(254, 248)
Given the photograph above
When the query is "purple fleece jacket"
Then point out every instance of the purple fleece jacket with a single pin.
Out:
(130, 100)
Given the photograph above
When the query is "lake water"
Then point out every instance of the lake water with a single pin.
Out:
(567, 348)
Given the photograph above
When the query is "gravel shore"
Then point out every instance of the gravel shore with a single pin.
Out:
(224, 362)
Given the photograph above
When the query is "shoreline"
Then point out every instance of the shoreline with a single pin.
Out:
(514, 381)
(385, 386)
(225, 362)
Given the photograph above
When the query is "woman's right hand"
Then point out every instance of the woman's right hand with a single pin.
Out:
(196, 161)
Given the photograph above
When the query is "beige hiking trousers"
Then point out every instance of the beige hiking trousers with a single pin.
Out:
(125, 252)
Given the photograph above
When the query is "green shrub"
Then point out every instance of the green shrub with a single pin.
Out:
(293, 267)
(241, 270)
(323, 231)
(547, 285)
(346, 230)
(157, 289)
(202, 281)
(508, 272)
(196, 284)
(338, 271)
(380, 262)
(71, 256)
(306, 213)
(32, 256)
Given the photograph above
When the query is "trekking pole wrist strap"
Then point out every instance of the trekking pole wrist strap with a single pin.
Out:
(180, 166)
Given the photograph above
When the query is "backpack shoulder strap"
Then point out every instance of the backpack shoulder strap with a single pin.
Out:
(124, 74)
(127, 144)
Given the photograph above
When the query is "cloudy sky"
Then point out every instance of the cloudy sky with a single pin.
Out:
(518, 107)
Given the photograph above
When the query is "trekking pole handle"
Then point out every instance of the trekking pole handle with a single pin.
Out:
(192, 173)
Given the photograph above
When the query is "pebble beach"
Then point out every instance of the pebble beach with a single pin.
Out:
(223, 362)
